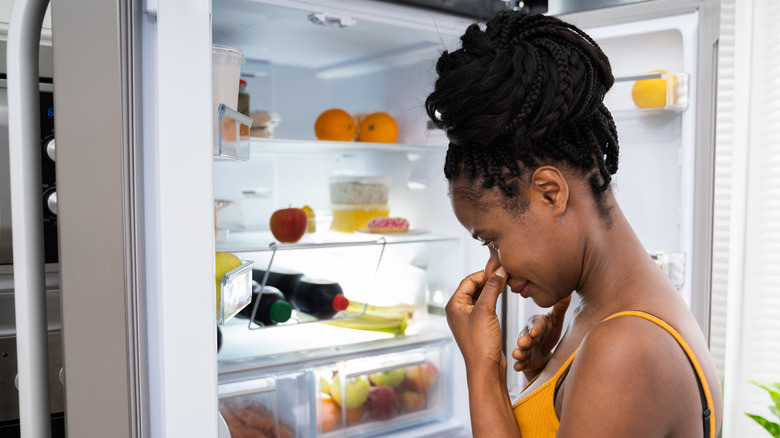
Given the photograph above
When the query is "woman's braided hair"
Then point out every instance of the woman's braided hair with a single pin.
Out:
(530, 90)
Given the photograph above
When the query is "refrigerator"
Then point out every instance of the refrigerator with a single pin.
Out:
(138, 177)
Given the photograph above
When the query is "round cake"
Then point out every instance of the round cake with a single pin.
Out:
(385, 225)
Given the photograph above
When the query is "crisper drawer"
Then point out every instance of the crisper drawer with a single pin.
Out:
(379, 394)
(272, 406)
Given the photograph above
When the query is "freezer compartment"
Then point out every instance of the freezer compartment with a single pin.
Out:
(274, 405)
(379, 394)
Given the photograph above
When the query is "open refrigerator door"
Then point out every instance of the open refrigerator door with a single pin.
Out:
(662, 60)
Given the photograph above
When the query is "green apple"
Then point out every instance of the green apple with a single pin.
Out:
(391, 378)
(357, 389)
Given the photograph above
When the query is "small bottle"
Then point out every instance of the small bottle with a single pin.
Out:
(320, 298)
(273, 307)
(243, 98)
(243, 106)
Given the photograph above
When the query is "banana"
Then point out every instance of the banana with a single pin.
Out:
(386, 319)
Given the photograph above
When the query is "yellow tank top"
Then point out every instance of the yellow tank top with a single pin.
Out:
(535, 412)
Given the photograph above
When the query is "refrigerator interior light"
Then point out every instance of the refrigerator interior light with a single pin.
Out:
(322, 19)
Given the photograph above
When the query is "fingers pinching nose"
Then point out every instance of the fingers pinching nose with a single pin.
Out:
(501, 272)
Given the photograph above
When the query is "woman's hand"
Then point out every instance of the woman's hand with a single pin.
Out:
(537, 339)
(471, 315)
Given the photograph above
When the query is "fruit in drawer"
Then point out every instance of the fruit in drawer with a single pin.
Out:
(422, 377)
(330, 414)
(288, 225)
(378, 127)
(391, 378)
(335, 125)
(357, 389)
(382, 403)
(411, 400)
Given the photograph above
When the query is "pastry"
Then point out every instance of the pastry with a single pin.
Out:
(387, 225)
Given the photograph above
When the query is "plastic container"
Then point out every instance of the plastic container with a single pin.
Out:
(359, 190)
(319, 298)
(372, 396)
(235, 291)
(357, 199)
(225, 76)
(351, 218)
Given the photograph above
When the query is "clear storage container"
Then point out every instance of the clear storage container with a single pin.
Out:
(356, 199)
(235, 291)
(374, 395)
(275, 406)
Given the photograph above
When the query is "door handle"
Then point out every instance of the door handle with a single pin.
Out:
(24, 35)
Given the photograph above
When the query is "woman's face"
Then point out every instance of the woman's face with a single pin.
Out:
(530, 245)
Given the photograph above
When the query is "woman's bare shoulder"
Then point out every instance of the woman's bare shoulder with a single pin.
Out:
(630, 378)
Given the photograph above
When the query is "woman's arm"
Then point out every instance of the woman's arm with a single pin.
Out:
(471, 315)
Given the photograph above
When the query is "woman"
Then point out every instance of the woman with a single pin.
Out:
(532, 150)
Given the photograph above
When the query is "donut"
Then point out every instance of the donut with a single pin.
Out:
(386, 225)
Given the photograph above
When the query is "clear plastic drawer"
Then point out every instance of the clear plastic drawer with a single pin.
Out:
(374, 395)
(271, 406)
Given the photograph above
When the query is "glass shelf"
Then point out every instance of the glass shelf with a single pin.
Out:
(293, 147)
(258, 241)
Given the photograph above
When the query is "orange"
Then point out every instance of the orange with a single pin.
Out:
(379, 128)
(330, 413)
(335, 125)
(652, 93)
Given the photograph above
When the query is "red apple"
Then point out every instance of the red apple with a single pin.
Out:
(422, 377)
(288, 225)
(382, 403)
(411, 401)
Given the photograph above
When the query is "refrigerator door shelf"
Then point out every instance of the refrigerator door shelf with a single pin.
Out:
(233, 135)
(651, 93)
(234, 291)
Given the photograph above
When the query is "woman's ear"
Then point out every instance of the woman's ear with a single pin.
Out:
(551, 187)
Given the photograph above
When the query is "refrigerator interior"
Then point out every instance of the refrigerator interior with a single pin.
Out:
(295, 70)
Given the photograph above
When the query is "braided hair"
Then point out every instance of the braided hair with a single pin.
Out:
(527, 90)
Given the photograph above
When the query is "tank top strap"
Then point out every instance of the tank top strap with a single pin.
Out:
(704, 389)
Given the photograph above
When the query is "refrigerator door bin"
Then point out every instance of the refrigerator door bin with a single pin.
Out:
(372, 396)
(260, 407)
(234, 291)
(652, 93)
(232, 134)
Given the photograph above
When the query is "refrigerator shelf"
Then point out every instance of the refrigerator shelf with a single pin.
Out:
(232, 141)
(294, 147)
(261, 241)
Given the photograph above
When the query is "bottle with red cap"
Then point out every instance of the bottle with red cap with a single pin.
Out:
(320, 298)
